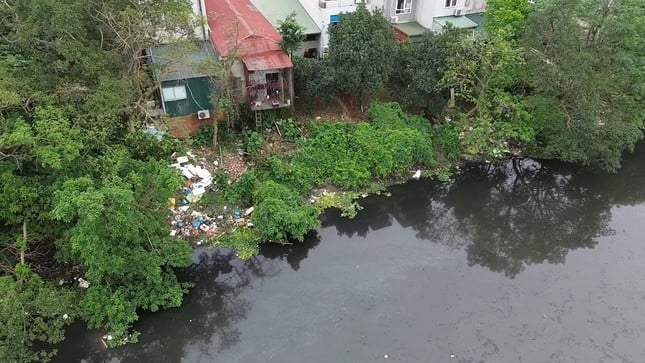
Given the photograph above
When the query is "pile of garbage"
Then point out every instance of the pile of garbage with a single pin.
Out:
(186, 220)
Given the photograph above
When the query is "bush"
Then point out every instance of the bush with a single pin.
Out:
(253, 142)
(203, 137)
(143, 146)
(279, 213)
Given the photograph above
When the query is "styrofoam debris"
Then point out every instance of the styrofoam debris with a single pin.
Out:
(173, 233)
(198, 190)
(186, 173)
(183, 208)
(182, 159)
(202, 173)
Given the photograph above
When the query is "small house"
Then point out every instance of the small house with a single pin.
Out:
(184, 89)
(243, 36)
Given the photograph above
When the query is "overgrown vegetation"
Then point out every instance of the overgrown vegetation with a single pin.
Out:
(346, 155)
(85, 191)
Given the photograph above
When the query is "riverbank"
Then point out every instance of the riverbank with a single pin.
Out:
(300, 171)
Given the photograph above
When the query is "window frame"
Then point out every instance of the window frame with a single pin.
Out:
(450, 3)
(406, 9)
(170, 93)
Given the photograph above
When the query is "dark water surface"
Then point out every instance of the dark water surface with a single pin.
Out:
(523, 262)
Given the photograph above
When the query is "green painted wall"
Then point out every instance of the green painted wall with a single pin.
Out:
(200, 93)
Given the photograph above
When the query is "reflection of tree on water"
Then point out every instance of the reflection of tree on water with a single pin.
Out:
(293, 253)
(529, 214)
(206, 321)
(506, 216)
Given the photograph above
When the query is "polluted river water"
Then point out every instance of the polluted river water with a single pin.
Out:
(522, 261)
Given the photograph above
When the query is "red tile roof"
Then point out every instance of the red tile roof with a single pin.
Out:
(237, 23)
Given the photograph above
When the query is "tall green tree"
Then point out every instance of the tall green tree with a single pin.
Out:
(362, 50)
(422, 67)
(507, 15)
(586, 59)
(293, 34)
(75, 169)
(488, 76)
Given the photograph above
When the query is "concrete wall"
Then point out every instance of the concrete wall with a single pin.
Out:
(390, 11)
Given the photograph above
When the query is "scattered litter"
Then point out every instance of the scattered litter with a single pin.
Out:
(386, 356)
(83, 283)
(452, 356)
(182, 159)
(249, 211)
(417, 175)
(173, 233)
(65, 316)
(183, 208)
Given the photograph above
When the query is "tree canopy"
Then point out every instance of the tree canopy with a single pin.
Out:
(83, 228)
(362, 50)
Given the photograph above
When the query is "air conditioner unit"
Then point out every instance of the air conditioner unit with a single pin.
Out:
(458, 11)
(394, 19)
(203, 114)
(322, 4)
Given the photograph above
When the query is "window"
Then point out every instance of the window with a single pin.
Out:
(174, 93)
(450, 3)
(403, 6)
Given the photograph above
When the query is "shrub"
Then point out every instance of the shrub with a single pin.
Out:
(203, 137)
(279, 213)
(253, 142)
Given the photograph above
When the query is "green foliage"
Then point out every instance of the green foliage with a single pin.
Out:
(507, 16)
(422, 65)
(244, 241)
(362, 50)
(446, 140)
(289, 129)
(253, 142)
(32, 313)
(118, 229)
(203, 137)
(293, 34)
(312, 82)
(143, 146)
(241, 193)
(486, 75)
(281, 214)
(586, 60)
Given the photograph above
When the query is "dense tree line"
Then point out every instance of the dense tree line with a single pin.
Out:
(547, 80)
(83, 191)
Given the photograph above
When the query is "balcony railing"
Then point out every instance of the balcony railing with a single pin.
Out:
(325, 4)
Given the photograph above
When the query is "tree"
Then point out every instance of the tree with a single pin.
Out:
(423, 65)
(362, 50)
(586, 62)
(32, 313)
(293, 34)
(507, 15)
(80, 197)
(488, 76)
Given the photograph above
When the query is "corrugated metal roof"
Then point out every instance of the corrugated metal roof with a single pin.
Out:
(237, 25)
(267, 60)
(276, 10)
(411, 28)
(461, 22)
